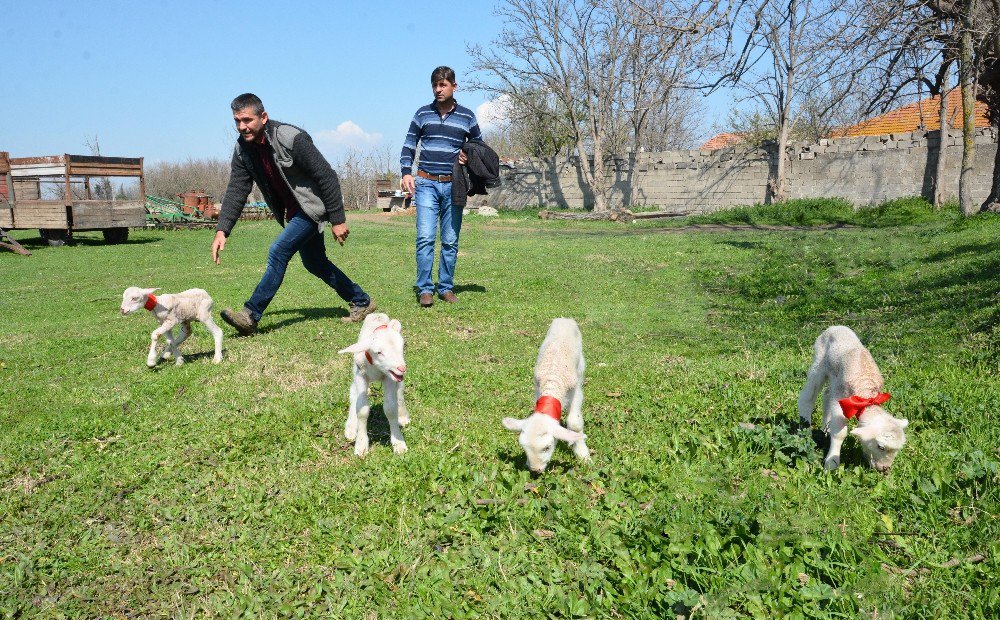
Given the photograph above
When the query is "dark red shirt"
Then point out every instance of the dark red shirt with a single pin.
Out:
(279, 188)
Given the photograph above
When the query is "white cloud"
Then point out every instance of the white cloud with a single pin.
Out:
(346, 136)
(493, 113)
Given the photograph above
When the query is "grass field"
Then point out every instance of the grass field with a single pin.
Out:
(229, 490)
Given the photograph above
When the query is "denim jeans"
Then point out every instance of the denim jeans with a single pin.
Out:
(301, 235)
(434, 211)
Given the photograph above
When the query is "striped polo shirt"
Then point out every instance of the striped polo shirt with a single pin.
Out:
(440, 138)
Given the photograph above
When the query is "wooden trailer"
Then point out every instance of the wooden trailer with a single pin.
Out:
(56, 195)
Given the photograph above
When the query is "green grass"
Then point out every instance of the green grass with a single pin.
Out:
(222, 491)
(814, 212)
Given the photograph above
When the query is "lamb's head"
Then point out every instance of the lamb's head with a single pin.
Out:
(134, 298)
(881, 438)
(383, 348)
(539, 433)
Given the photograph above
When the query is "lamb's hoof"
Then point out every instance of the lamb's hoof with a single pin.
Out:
(360, 450)
(179, 361)
(399, 448)
(404, 420)
(167, 355)
(832, 463)
(350, 433)
(217, 360)
(151, 363)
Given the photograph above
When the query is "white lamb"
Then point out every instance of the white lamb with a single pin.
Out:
(172, 310)
(378, 356)
(558, 386)
(855, 389)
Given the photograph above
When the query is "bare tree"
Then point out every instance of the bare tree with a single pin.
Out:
(582, 53)
(793, 65)
(898, 31)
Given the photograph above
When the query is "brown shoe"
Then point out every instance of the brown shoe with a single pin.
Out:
(358, 313)
(426, 300)
(242, 321)
(450, 297)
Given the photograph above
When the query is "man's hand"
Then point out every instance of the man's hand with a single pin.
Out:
(218, 245)
(406, 183)
(462, 158)
(340, 232)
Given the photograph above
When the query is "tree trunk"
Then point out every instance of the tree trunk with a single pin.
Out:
(966, 69)
(939, 172)
(779, 184)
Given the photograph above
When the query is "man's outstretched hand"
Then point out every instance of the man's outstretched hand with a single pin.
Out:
(340, 232)
(218, 245)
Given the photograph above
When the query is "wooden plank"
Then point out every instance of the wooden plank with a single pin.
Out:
(94, 214)
(101, 171)
(6, 218)
(41, 214)
(50, 159)
(25, 190)
(36, 170)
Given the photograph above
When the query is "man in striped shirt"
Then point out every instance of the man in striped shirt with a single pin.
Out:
(441, 128)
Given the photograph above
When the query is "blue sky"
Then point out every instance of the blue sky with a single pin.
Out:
(154, 79)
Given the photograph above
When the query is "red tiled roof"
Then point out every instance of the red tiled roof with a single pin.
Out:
(919, 115)
(722, 140)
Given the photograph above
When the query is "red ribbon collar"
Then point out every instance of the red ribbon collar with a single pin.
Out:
(368, 356)
(854, 405)
(150, 302)
(550, 406)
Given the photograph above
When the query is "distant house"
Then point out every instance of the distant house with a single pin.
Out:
(920, 115)
(722, 140)
(917, 116)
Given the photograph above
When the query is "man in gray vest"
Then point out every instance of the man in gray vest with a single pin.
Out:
(302, 191)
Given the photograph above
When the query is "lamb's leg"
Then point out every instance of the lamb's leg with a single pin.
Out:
(807, 397)
(357, 420)
(393, 392)
(351, 426)
(175, 344)
(574, 422)
(152, 358)
(168, 348)
(404, 413)
(836, 424)
(216, 332)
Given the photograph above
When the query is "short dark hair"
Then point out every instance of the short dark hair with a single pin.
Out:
(248, 100)
(443, 73)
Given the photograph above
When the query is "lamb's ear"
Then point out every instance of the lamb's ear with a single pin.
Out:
(865, 432)
(567, 435)
(396, 326)
(513, 424)
(357, 347)
(149, 291)
(903, 422)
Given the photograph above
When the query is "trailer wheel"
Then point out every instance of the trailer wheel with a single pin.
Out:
(115, 235)
(55, 237)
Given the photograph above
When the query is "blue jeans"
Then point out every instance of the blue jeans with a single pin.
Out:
(434, 210)
(301, 235)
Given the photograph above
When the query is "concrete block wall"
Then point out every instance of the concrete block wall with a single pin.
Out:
(864, 170)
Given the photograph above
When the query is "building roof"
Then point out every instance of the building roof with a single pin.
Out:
(919, 115)
(722, 140)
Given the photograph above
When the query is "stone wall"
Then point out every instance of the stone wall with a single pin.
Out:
(863, 170)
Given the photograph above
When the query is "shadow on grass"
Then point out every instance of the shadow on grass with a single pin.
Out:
(458, 290)
(297, 315)
(38, 242)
